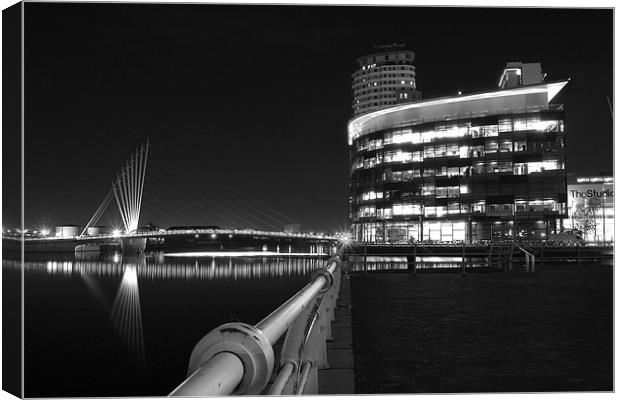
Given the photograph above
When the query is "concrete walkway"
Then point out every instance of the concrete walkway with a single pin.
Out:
(340, 377)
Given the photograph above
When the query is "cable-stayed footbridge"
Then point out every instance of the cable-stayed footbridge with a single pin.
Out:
(250, 225)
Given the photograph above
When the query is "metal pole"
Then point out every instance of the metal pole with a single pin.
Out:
(365, 252)
(463, 258)
(415, 257)
(305, 371)
(275, 324)
(280, 382)
(224, 372)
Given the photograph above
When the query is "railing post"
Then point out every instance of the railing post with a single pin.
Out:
(365, 258)
(527, 262)
(463, 258)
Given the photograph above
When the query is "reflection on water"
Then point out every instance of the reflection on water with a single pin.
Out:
(379, 263)
(156, 265)
(126, 315)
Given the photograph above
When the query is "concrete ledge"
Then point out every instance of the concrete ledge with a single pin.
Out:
(339, 378)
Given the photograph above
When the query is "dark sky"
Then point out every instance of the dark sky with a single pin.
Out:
(257, 98)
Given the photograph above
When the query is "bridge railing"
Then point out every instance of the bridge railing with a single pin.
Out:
(201, 231)
(238, 358)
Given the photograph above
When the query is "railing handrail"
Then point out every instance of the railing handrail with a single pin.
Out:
(238, 358)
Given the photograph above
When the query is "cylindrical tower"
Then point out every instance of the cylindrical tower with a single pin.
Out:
(384, 79)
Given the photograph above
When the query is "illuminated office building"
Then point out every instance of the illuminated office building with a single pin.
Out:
(591, 207)
(384, 79)
(479, 166)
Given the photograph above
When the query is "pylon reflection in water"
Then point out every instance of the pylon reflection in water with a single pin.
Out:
(126, 314)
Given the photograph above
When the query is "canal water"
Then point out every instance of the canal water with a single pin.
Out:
(125, 326)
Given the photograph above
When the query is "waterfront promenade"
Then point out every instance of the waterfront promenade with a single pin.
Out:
(551, 330)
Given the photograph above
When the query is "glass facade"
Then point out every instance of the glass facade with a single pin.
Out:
(467, 179)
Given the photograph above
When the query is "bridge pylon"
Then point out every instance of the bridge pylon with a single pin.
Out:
(127, 189)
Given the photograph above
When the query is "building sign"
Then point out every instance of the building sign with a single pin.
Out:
(591, 210)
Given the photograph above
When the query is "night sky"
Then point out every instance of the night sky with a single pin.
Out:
(255, 100)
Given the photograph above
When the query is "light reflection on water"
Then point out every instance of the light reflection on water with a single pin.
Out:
(126, 315)
(397, 263)
(156, 265)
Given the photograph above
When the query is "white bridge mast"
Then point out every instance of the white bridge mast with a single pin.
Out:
(127, 190)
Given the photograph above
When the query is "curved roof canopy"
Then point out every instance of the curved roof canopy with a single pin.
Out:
(493, 102)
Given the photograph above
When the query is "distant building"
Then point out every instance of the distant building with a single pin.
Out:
(68, 230)
(591, 206)
(480, 166)
(383, 79)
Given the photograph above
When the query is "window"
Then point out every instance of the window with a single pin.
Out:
(477, 151)
(519, 124)
(454, 208)
(490, 130)
(441, 171)
(464, 151)
(490, 146)
(478, 207)
(453, 171)
(505, 125)
(398, 156)
(492, 167)
(505, 146)
(520, 146)
(452, 191)
(505, 166)
(533, 122)
(475, 131)
(520, 169)
(428, 190)
(406, 209)
(372, 195)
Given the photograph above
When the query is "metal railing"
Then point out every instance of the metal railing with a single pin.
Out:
(238, 358)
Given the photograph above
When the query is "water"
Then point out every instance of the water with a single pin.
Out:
(125, 326)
